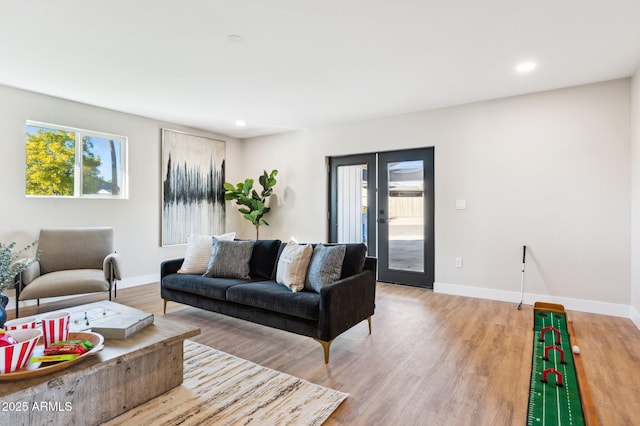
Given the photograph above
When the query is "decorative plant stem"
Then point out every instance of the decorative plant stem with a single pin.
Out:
(252, 205)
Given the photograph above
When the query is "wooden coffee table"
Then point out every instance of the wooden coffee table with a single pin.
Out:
(125, 374)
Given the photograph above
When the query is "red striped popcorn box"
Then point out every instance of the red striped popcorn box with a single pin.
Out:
(55, 327)
(16, 356)
(20, 323)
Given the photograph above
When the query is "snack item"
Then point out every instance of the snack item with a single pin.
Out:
(6, 339)
(69, 347)
(86, 343)
(54, 358)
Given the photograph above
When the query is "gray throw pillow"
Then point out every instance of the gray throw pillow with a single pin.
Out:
(198, 253)
(229, 259)
(325, 266)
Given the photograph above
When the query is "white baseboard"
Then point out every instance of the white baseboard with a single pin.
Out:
(125, 283)
(635, 316)
(572, 304)
(139, 280)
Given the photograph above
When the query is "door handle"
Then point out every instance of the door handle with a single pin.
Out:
(381, 216)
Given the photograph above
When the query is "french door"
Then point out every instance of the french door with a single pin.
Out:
(386, 200)
(352, 195)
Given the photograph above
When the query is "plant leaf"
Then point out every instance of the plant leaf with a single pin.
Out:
(248, 217)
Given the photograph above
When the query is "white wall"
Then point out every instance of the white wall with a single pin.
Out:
(136, 220)
(550, 170)
(635, 198)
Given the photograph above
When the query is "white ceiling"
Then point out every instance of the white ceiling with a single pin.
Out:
(307, 63)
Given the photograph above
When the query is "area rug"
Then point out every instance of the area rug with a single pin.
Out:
(221, 389)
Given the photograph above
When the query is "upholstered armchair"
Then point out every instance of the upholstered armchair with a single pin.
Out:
(72, 261)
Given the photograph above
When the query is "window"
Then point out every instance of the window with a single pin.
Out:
(67, 162)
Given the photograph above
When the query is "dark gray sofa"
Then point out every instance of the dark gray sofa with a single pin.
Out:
(322, 316)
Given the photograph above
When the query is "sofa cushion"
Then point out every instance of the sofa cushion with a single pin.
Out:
(293, 265)
(198, 252)
(325, 266)
(229, 259)
(274, 297)
(64, 283)
(212, 288)
(263, 259)
(354, 257)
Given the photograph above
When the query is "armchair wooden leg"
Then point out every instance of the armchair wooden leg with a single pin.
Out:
(325, 346)
(369, 320)
(165, 307)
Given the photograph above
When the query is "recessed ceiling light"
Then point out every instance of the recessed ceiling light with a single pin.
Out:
(234, 38)
(526, 67)
(241, 123)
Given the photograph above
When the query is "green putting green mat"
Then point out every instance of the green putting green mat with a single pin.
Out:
(549, 403)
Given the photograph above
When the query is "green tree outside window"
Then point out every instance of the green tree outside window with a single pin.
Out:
(50, 162)
(57, 166)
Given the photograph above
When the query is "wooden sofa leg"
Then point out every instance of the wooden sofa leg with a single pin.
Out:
(369, 320)
(325, 345)
(165, 306)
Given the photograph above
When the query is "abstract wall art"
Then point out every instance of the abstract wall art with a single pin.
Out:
(192, 186)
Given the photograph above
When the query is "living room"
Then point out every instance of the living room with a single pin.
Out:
(555, 169)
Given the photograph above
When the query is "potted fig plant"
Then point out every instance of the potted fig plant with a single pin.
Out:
(252, 204)
(10, 266)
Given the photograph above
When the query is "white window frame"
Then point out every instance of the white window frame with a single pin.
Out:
(78, 175)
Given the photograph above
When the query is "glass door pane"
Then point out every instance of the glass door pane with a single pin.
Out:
(405, 183)
(352, 200)
(352, 204)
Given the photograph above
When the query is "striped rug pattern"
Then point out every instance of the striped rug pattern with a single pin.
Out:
(221, 389)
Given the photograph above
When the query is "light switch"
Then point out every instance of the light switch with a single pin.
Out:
(461, 204)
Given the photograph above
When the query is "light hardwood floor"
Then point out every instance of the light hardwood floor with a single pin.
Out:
(432, 359)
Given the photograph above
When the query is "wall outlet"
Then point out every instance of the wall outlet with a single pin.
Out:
(458, 262)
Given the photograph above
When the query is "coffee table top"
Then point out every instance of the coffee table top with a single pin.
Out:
(162, 332)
